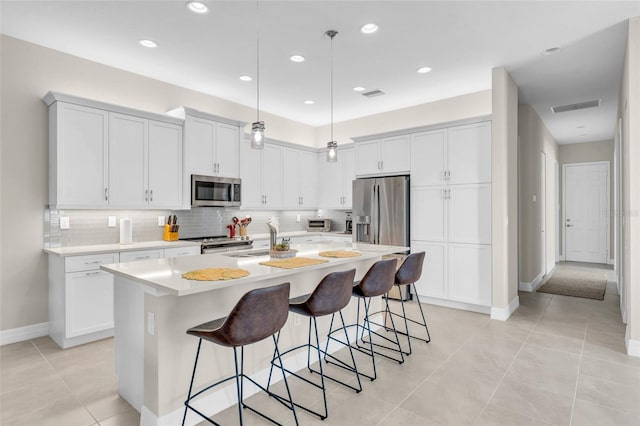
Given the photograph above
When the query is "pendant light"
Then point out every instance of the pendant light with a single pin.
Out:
(257, 128)
(332, 145)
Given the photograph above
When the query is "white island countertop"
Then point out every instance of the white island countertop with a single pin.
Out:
(166, 274)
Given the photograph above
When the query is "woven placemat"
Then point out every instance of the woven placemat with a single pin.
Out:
(294, 262)
(215, 274)
(340, 253)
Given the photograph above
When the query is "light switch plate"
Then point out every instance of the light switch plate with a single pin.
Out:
(160, 220)
(64, 222)
(534, 198)
(111, 222)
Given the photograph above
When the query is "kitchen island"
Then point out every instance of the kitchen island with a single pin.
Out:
(154, 306)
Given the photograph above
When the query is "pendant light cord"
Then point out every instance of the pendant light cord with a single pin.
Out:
(257, 60)
(332, 87)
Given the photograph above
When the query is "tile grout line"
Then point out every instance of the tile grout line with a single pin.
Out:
(524, 342)
(431, 374)
(575, 392)
(66, 385)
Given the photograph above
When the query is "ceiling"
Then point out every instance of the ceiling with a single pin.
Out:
(460, 41)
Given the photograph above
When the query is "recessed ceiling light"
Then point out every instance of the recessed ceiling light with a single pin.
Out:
(580, 126)
(423, 70)
(368, 28)
(197, 7)
(550, 51)
(358, 89)
(297, 58)
(309, 102)
(148, 43)
(246, 78)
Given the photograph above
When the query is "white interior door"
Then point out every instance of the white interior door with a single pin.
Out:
(586, 195)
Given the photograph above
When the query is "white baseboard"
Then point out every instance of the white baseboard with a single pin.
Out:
(225, 396)
(550, 268)
(503, 314)
(533, 285)
(610, 261)
(561, 258)
(456, 305)
(21, 334)
(633, 346)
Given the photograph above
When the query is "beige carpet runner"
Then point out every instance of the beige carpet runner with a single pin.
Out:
(588, 283)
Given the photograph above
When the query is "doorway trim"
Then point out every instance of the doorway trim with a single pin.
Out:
(543, 210)
(564, 205)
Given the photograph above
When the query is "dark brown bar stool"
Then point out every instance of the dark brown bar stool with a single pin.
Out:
(376, 282)
(329, 297)
(408, 273)
(258, 314)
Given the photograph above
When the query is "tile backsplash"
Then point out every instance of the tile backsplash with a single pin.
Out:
(89, 227)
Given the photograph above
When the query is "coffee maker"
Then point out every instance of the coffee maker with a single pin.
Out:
(348, 223)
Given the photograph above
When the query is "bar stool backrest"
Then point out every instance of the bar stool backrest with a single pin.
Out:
(332, 294)
(411, 270)
(258, 314)
(379, 278)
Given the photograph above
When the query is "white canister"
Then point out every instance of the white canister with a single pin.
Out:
(126, 231)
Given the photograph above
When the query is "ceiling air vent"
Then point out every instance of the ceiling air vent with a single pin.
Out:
(372, 93)
(574, 107)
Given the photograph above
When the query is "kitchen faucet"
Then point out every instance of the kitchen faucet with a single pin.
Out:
(273, 223)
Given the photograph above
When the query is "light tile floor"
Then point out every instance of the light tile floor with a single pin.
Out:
(557, 360)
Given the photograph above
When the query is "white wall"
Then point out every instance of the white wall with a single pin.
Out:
(629, 111)
(504, 194)
(534, 139)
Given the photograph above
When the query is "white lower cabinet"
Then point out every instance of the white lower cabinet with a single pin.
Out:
(455, 272)
(89, 301)
(80, 299)
(81, 295)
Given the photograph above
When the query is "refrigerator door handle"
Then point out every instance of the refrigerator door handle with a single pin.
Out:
(374, 218)
(377, 208)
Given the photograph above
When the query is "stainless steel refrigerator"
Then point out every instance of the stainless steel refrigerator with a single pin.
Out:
(381, 213)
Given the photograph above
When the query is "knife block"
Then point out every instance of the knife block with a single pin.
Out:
(168, 235)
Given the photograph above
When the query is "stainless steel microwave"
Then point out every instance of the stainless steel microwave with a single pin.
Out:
(214, 191)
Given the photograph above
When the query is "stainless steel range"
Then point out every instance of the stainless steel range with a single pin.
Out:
(221, 244)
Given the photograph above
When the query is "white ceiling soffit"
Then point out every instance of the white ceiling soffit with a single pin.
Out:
(588, 69)
(460, 41)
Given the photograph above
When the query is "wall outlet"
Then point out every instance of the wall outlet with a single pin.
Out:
(64, 222)
(298, 218)
(160, 220)
(111, 222)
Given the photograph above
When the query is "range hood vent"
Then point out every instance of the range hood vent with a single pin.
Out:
(372, 93)
(574, 107)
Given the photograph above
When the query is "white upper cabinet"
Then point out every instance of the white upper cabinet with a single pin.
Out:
(299, 179)
(211, 147)
(128, 166)
(335, 180)
(261, 173)
(428, 157)
(105, 156)
(78, 156)
(165, 165)
(469, 153)
(383, 156)
(457, 155)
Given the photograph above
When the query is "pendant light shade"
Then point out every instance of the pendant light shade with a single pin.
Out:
(257, 135)
(257, 127)
(332, 145)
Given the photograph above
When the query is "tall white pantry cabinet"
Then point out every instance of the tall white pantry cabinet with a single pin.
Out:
(451, 214)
